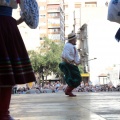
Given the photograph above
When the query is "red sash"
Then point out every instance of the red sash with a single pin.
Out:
(18, 1)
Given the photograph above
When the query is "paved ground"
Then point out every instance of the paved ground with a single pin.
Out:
(57, 106)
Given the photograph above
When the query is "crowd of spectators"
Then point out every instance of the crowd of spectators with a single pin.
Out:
(53, 87)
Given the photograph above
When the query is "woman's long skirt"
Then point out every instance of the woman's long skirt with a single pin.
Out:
(15, 66)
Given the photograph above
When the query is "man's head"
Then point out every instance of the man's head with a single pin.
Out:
(72, 38)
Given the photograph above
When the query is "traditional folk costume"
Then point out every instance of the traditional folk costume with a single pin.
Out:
(69, 66)
(15, 66)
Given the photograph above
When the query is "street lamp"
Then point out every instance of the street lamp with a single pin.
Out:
(90, 59)
(86, 67)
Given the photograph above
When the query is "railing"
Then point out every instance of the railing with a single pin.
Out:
(53, 1)
(53, 25)
(53, 16)
(54, 32)
(53, 9)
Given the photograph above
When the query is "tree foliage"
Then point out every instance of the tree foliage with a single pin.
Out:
(47, 58)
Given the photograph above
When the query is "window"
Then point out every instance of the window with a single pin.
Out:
(54, 37)
(42, 31)
(43, 24)
(77, 20)
(90, 4)
(77, 5)
(66, 6)
(42, 8)
(54, 30)
(66, 17)
(53, 1)
(42, 16)
(53, 15)
(53, 21)
(42, 0)
(53, 7)
(40, 38)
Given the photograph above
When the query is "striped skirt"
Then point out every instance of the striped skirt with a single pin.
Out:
(15, 66)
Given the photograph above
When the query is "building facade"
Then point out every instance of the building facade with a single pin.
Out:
(51, 19)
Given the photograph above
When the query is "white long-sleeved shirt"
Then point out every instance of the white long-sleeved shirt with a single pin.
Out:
(70, 53)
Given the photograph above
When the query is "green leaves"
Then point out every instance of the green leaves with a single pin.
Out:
(48, 55)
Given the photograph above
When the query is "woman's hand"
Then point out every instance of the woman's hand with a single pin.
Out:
(20, 20)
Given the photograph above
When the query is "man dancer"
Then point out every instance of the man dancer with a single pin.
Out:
(69, 65)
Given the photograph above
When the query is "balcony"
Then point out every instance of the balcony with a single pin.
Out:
(56, 41)
(54, 16)
(53, 25)
(49, 32)
(53, 1)
(53, 10)
(54, 36)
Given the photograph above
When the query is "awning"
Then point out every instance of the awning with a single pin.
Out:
(85, 74)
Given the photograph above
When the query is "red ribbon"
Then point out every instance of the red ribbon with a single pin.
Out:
(18, 1)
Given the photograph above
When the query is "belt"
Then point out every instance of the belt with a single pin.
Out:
(64, 60)
(5, 11)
